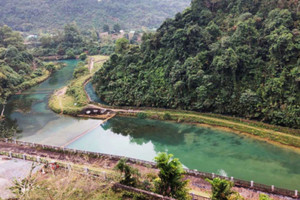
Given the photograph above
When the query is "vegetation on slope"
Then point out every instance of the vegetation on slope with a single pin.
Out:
(19, 70)
(230, 57)
(49, 15)
(15, 62)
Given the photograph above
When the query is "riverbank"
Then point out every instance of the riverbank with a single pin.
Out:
(75, 99)
(32, 82)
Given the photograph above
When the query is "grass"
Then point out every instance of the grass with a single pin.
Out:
(65, 104)
(70, 185)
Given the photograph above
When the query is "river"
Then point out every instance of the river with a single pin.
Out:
(197, 148)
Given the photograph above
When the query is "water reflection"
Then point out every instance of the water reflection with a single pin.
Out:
(197, 148)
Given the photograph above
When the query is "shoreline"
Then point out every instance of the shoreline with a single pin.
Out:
(39, 79)
(221, 128)
(254, 129)
(229, 130)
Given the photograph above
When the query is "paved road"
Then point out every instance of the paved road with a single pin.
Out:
(11, 170)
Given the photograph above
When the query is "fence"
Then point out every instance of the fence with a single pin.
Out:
(95, 173)
(237, 182)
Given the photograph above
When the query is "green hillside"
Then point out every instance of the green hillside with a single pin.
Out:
(33, 15)
(15, 62)
(236, 57)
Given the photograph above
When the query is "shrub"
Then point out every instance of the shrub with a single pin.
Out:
(80, 71)
(142, 115)
(130, 174)
(50, 67)
(167, 116)
(83, 56)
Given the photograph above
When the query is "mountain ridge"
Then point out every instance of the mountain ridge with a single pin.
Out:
(47, 15)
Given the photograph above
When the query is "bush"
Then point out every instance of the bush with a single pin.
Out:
(142, 115)
(130, 174)
(83, 56)
(264, 197)
(50, 67)
(167, 116)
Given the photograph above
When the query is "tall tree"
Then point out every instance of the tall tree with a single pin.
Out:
(171, 181)
(117, 28)
(105, 28)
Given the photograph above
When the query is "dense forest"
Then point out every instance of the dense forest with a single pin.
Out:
(236, 57)
(16, 63)
(48, 15)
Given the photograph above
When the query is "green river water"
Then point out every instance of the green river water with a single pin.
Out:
(197, 148)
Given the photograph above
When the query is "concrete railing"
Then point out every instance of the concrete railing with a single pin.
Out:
(237, 182)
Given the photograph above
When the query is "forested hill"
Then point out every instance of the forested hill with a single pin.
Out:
(237, 57)
(17, 65)
(33, 15)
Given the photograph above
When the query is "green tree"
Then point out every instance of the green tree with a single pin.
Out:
(72, 36)
(117, 28)
(70, 53)
(105, 28)
(221, 189)
(121, 45)
(170, 182)
(8, 128)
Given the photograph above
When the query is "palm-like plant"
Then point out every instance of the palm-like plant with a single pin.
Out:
(221, 189)
(171, 180)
